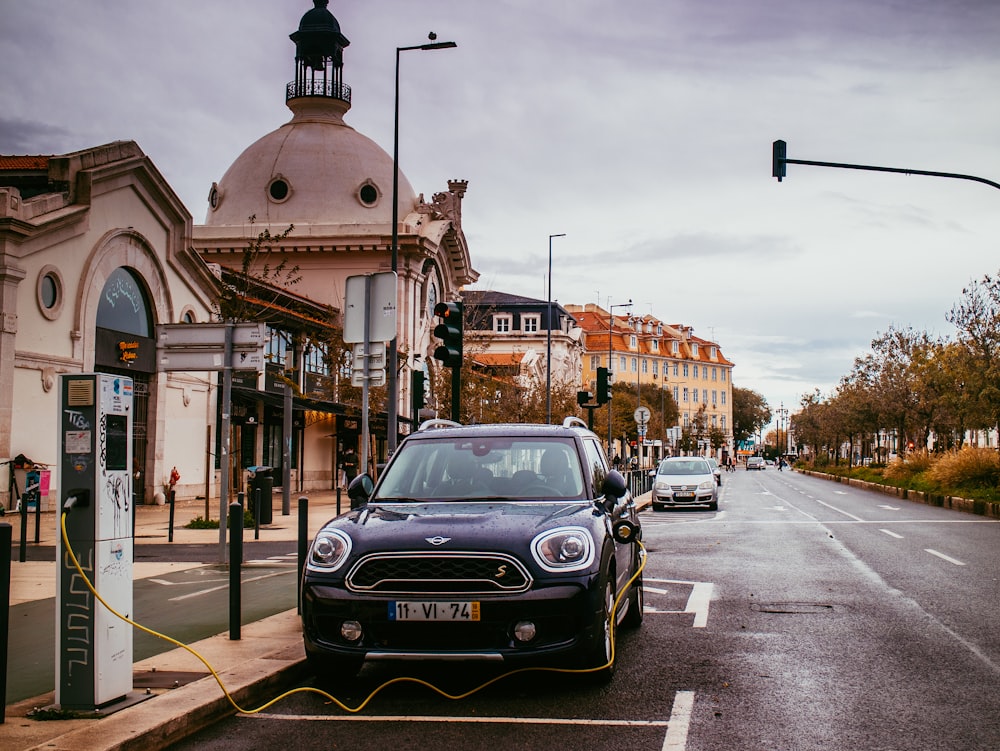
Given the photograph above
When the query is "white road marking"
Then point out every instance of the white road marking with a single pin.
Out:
(944, 557)
(680, 721)
(891, 534)
(840, 511)
(697, 604)
(224, 586)
(888, 507)
(464, 720)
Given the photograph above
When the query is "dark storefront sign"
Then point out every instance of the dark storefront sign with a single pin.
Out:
(120, 351)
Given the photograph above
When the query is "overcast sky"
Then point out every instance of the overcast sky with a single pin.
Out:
(641, 129)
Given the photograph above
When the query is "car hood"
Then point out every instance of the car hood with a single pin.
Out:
(684, 479)
(482, 525)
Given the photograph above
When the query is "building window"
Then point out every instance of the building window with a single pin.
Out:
(694, 349)
(501, 324)
(278, 190)
(656, 367)
(123, 305)
(711, 352)
(622, 363)
(632, 341)
(723, 375)
(645, 365)
(686, 370)
(659, 329)
(723, 397)
(530, 324)
(685, 393)
(49, 292)
(656, 345)
(635, 364)
(715, 421)
(722, 422)
(316, 360)
(675, 370)
(674, 347)
(675, 393)
(704, 396)
(715, 396)
(695, 371)
(277, 346)
(595, 362)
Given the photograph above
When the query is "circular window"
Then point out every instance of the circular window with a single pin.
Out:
(278, 189)
(368, 194)
(214, 196)
(49, 292)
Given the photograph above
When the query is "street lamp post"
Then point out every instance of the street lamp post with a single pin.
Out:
(392, 356)
(782, 414)
(548, 342)
(611, 325)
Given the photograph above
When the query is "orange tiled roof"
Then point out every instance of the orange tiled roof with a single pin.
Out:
(499, 358)
(15, 162)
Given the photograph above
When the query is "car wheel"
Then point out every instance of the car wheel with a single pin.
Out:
(601, 648)
(713, 506)
(636, 603)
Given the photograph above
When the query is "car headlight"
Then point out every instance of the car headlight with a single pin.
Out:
(564, 549)
(662, 485)
(707, 485)
(329, 550)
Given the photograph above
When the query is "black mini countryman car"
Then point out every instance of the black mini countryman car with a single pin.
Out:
(505, 543)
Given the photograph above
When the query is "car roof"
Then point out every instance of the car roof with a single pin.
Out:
(526, 430)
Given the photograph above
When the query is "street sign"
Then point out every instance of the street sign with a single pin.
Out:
(207, 358)
(245, 335)
(381, 308)
(370, 367)
(641, 415)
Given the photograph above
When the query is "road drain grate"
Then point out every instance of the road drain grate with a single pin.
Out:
(793, 608)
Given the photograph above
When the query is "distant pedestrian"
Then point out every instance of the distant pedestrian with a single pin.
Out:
(349, 464)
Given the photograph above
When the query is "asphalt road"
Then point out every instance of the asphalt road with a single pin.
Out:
(803, 615)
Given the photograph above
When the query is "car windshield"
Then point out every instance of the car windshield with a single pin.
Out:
(483, 468)
(685, 467)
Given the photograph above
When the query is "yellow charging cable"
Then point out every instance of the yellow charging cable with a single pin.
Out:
(321, 692)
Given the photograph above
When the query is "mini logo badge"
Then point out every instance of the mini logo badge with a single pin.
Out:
(439, 540)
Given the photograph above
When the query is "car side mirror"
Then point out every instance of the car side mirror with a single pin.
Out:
(614, 485)
(360, 490)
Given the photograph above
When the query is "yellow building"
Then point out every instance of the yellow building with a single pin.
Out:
(645, 350)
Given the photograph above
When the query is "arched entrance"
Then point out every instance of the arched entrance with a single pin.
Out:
(125, 345)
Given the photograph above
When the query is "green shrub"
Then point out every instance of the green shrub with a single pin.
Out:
(200, 523)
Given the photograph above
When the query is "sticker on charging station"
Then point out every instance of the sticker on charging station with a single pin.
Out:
(78, 441)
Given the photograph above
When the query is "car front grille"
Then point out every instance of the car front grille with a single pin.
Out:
(438, 573)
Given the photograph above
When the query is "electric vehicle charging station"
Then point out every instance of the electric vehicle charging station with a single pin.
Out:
(93, 646)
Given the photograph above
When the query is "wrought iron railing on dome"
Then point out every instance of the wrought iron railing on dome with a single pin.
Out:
(327, 89)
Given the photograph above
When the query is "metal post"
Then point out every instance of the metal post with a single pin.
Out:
(256, 513)
(235, 564)
(392, 380)
(5, 540)
(227, 400)
(170, 526)
(304, 541)
(548, 342)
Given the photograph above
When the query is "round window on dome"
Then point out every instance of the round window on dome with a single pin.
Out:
(214, 196)
(278, 189)
(368, 194)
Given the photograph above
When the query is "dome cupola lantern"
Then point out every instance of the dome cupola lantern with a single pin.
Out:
(319, 57)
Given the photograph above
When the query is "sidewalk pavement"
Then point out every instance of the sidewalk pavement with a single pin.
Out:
(267, 659)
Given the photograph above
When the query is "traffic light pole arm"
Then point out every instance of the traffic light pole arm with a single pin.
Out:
(870, 168)
(780, 160)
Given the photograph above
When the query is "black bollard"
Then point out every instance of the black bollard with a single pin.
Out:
(170, 528)
(338, 500)
(5, 540)
(235, 564)
(256, 514)
(303, 546)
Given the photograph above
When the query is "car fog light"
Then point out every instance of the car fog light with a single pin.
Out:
(350, 630)
(524, 631)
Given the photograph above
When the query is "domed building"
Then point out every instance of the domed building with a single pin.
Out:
(334, 187)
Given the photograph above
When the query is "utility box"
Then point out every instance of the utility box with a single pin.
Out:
(93, 646)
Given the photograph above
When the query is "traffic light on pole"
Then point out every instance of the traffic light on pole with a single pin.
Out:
(603, 386)
(449, 331)
(778, 157)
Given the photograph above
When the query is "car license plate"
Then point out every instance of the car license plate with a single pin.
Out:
(419, 610)
(683, 495)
